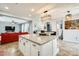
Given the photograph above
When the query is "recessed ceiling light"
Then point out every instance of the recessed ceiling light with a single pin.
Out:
(32, 9)
(6, 7)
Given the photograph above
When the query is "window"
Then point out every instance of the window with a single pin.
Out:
(25, 27)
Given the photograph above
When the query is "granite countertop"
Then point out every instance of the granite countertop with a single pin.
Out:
(38, 39)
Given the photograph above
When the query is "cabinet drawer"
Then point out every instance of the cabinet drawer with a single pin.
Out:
(34, 45)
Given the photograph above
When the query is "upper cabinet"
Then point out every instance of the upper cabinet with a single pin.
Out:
(72, 24)
(67, 24)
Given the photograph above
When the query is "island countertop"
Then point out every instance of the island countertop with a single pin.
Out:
(40, 40)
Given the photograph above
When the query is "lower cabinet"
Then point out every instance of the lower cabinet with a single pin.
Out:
(47, 49)
(55, 47)
(71, 35)
(35, 49)
(21, 44)
(27, 49)
(77, 36)
(24, 46)
(42, 50)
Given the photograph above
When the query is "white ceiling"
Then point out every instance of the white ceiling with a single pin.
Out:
(9, 19)
(24, 10)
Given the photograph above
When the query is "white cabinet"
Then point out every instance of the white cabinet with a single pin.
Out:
(43, 50)
(56, 47)
(21, 44)
(68, 35)
(30, 48)
(71, 35)
(35, 49)
(27, 49)
(47, 49)
(24, 46)
(77, 36)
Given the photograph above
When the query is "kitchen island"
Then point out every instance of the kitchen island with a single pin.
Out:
(33, 45)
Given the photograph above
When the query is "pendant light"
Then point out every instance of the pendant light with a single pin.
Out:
(68, 16)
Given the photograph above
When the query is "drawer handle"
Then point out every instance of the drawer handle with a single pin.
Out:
(26, 41)
(20, 40)
(33, 44)
(38, 53)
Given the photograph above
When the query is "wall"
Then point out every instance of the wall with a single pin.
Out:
(7, 21)
(3, 24)
(36, 23)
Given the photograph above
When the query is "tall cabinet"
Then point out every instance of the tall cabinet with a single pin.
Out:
(71, 31)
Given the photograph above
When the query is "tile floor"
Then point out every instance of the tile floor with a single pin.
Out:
(10, 49)
(66, 49)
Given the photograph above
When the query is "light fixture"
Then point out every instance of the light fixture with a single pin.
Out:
(45, 11)
(32, 10)
(46, 17)
(6, 7)
(68, 16)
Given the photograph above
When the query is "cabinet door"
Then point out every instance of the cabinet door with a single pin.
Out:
(24, 46)
(55, 47)
(27, 49)
(77, 35)
(47, 49)
(21, 43)
(34, 49)
(69, 35)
